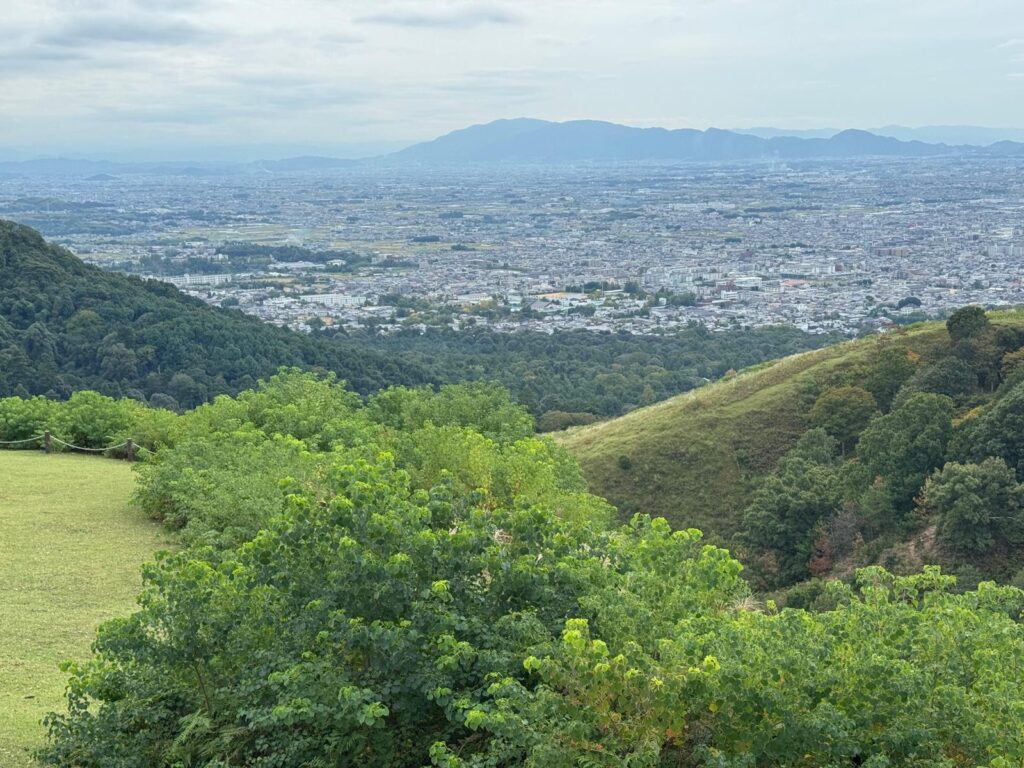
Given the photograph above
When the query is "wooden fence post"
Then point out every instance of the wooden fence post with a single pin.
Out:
(47, 442)
(131, 449)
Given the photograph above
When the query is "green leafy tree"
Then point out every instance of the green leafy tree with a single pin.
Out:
(889, 369)
(977, 506)
(485, 406)
(998, 431)
(904, 446)
(365, 624)
(898, 672)
(789, 503)
(975, 341)
(950, 376)
(843, 412)
(967, 323)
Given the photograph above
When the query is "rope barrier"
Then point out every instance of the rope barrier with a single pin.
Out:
(19, 442)
(54, 439)
(94, 450)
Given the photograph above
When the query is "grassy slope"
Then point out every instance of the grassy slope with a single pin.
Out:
(694, 458)
(70, 551)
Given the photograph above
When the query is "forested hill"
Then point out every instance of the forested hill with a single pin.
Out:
(900, 450)
(66, 326)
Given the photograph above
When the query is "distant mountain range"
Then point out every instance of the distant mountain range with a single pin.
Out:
(525, 140)
(538, 141)
(933, 134)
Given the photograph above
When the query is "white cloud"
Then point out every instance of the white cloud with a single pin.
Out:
(179, 72)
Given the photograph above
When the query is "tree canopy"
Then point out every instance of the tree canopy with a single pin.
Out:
(410, 588)
(414, 580)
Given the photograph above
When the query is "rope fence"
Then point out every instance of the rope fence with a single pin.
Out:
(48, 440)
(21, 442)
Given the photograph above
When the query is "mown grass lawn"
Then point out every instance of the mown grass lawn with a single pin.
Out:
(70, 549)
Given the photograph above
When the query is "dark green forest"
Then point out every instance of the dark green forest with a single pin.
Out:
(577, 377)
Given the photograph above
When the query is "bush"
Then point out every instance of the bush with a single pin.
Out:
(486, 407)
(21, 419)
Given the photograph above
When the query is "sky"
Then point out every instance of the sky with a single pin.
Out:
(242, 79)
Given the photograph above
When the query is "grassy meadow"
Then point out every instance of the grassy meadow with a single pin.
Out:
(70, 549)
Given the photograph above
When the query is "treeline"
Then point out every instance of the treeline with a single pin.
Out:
(916, 455)
(87, 420)
(244, 257)
(415, 580)
(578, 376)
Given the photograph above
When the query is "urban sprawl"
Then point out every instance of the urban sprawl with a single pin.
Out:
(848, 247)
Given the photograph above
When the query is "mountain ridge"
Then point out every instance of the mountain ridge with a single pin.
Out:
(530, 141)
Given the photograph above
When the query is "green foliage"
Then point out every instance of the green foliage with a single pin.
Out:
(398, 585)
(69, 326)
(364, 623)
(235, 458)
(555, 421)
(1012, 362)
(900, 673)
(950, 376)
(843, 412)
(998, 431)
(92, 420)
(21, 419)
(485, 406)
(887, 372)
(977, 506)
(582, 372)
(88, 420)
(705, 458)
(221, 492)
(967, 323)
(315, 409)
(976, 341)
(904, 446)
(782, 516)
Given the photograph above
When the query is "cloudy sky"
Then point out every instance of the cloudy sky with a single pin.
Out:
(244, 78)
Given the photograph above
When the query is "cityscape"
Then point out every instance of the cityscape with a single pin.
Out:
(823, 246)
